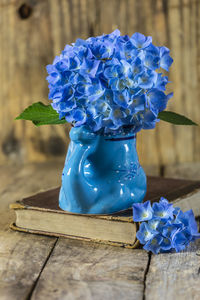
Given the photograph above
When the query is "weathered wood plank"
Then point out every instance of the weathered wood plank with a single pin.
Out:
(183, 170)
(20, 39)
(152, 170)
(77, 270)
(22, 257)
(174, 276)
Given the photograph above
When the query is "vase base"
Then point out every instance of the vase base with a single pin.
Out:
(101, 207)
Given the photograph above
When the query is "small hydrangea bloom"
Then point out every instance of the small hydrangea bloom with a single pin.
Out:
(163, 209)
(154, 245)
(154, 223)
(169, 229)
(110, 82)
(144, 234)
(166, 244)
(188, 220)
(181, 239)
(142, 211)
(164, 228)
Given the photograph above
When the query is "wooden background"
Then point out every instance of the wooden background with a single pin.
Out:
(32, 32)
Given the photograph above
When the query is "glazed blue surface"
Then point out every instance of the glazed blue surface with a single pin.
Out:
(102, 174)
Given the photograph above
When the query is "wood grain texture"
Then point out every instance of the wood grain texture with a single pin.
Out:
(30, 40)
(184, 170)
(174, 276)
(22, 257)
(76, 271)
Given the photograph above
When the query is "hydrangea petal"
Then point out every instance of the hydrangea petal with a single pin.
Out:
(79, 117)
(140, 41)
(163, 209)
(154, 244)
(147, 79)
(166, 244)
(121, 98)
(142, 211)
(153, 224)
(181, 239)
(144, 234)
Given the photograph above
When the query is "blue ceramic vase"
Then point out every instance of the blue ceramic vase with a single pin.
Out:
(102, 174)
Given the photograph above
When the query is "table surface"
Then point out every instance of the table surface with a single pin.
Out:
(40, 267)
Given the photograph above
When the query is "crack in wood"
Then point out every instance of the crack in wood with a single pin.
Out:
(29, 296)
(162, 171)
(146, 273)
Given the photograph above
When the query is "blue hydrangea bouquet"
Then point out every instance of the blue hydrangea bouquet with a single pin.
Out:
(108, 82)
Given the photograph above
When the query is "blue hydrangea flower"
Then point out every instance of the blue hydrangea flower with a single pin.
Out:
(165, 59)
(181, 239)
(137, 103)
(140, 41)
(164, 228)
(166, 244)
(176, 210)
(161, 82)
(79, 116)
(157, 99)
(188, 220)
(148, 118)
(154, 245)
(121, 98)
(153, 224)
(151, 62)
(144, 234)
(121, 72)
(142, 211)
(169, 229)
(118, 116)
(147, 79)
(163, 209)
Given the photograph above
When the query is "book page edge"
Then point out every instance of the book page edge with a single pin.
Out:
(134, 245)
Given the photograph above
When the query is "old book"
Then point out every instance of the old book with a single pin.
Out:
(41, 214)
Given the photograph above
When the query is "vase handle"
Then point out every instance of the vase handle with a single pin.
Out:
(86, 141)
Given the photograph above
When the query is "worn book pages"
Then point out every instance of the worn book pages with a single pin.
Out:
(112, 229)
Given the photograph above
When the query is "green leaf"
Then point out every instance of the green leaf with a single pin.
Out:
(41, 114)
(50, 122)
(174, 118)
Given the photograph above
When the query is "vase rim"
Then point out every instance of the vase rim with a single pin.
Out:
(126, 134)
(120, 137)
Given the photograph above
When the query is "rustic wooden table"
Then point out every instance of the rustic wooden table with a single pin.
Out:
(41, 267)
